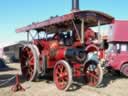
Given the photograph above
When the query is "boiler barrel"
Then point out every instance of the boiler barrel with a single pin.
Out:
(76, 54)
(73, 54)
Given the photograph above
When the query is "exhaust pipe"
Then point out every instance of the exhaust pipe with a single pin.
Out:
(75, 5)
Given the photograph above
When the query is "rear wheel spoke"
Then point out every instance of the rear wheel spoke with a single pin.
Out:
(28, 62)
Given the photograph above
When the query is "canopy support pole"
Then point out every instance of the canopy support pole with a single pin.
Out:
(99, 35)
(27, 36)
(82, 31)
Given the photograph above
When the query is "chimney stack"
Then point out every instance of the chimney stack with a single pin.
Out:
(75, 5)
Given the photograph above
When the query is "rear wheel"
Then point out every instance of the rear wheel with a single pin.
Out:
(62, 75)
(93, 73)
(29, 62)
(124, 69)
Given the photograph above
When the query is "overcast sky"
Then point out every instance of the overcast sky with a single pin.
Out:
(18, 13)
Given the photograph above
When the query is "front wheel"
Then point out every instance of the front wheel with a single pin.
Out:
(124, 69)
(62, 75)
(93, 73)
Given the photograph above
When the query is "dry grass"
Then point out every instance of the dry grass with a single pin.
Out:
(111, 86)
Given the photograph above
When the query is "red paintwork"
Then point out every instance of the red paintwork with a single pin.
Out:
(119, 31)
(119, 36)
(77, 67)
(89, 34)
(52, 50)
(102, 54)
(116, 60)
(60, 54)
(55, 52)
(51, 63)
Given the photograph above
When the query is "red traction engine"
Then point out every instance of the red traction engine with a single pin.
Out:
(60, 46)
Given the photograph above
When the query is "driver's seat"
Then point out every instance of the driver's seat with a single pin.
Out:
(68, 40)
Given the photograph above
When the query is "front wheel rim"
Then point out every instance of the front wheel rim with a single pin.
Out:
(62, 75)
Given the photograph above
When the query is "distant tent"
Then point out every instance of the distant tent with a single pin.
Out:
(2, 64)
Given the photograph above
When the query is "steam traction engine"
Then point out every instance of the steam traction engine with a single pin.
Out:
(61, 46)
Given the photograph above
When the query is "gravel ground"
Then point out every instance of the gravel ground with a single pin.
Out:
(112, 85)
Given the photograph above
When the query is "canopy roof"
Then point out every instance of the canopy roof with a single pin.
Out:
(63, 23)
(119, 31)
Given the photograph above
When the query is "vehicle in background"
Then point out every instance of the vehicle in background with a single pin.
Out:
(117, 54)
(11, 52)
